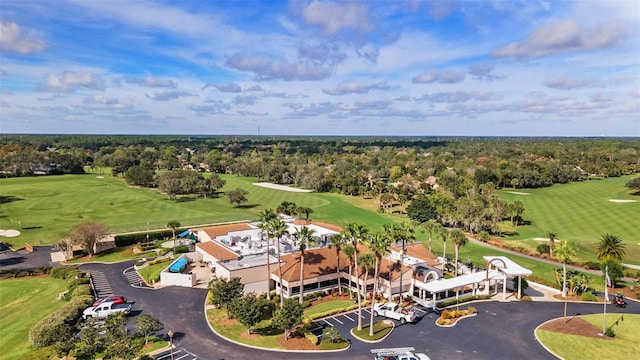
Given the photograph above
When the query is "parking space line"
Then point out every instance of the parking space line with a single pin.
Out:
(334, 318)
(181, 357)
(345, 315)
(328, 323)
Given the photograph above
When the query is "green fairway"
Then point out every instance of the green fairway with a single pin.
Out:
(39, 295)
(580, 212)
(44, 209)
(625, 345)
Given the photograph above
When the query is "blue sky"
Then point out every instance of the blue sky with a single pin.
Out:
(427, 68)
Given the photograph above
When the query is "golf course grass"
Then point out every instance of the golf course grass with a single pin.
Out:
(580, 212)
(625, 345)
(23, 302)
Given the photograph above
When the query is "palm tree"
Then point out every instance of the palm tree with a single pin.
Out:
(356, 233)
(444, 234)
(367, 262)
(349, 251)
(379, 243)
(432, 227)
(304, 236)
(518, 209)
(279, 229)
(564, 252)
(459, 239)
(174, 225)
(610, 247)
(407, 234)
(552, 242)
(337, 241)
(266, 216)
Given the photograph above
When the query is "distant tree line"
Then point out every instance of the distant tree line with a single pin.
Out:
(390, 170)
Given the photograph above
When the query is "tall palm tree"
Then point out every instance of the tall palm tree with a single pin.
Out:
(380, 244)
(174, 225)
(367, 262)
(610, 247)
(266, 216)
(349, 251)
(279, 229)
(564, 252)
(337, 241)
(444, 235)
(406, 233)
(459, 239)
(432, 227)
(356, 233)
(552, 242)
(305, 237)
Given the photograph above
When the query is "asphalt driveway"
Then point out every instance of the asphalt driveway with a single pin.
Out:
(499, 331)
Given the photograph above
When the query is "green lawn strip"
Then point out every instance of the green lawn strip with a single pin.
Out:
(328, 345)
(20, 312)
(328, 308)
(114, 255)
(625, 345)
(153, 346)
(151, 273)
(380, 330)
(235, 331)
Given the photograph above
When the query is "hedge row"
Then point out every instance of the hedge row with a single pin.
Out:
(58, 325)
(131, 239)
(313, 339)
(461, 300)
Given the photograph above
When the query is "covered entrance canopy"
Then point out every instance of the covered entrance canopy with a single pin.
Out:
(498, 267)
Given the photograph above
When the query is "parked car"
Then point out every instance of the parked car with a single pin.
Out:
(105, 309)
(398, 354)
(394, 311)
(116, 299)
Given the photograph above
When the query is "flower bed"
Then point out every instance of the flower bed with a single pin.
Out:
(450, 317)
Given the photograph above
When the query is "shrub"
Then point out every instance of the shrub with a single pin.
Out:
(306, 304)
(638, 295)
(130, 239)
(588, 296)
(472, 309)
(57, 325)
(313, 339)
(181, 249)
(64, 272)
(609, 332)
(591, 265)
(162, 252)
(544, 249)
(525, 298)
(461, 300)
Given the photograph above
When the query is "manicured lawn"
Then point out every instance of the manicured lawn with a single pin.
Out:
(115, 255)
(326, 306)
(380, 330)
(581, 212)
(152, 272)
(15, 296)
(625, 345)
(235, 331)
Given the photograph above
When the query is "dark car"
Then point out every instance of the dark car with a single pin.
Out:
(116, 299)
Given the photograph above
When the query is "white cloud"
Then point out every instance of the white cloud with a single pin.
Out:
(71, 80)
(333, 17)
(565, 83)
(557, 38)
(442, 77)
(458, 96)
(265, 69)
(14, 39)
(355, 88)
(226, 87)
(152, 82)
(168, 95)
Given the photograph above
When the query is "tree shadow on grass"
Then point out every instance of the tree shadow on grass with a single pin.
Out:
(267, 330)
(5, 199)
(248, 206)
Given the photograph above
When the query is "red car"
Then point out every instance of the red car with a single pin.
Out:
(116, 299)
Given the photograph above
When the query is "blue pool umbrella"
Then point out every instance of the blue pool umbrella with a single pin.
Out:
(184, 233)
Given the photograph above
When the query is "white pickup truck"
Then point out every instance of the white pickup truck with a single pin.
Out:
(105, 309)
(394, 311)
(398, 354)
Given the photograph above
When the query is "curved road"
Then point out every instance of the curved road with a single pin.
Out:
(500, 331)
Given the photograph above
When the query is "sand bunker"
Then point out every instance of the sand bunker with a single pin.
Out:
(280, 187)
(622, 201)
(518, 193)
(9, 233)
(545, 239)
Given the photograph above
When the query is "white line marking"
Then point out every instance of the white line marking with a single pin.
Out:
(334, 318)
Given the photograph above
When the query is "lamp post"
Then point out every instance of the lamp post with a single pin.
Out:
(170, 333)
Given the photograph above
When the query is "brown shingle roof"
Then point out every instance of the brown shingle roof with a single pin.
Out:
(218, 251)
(215, 231)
